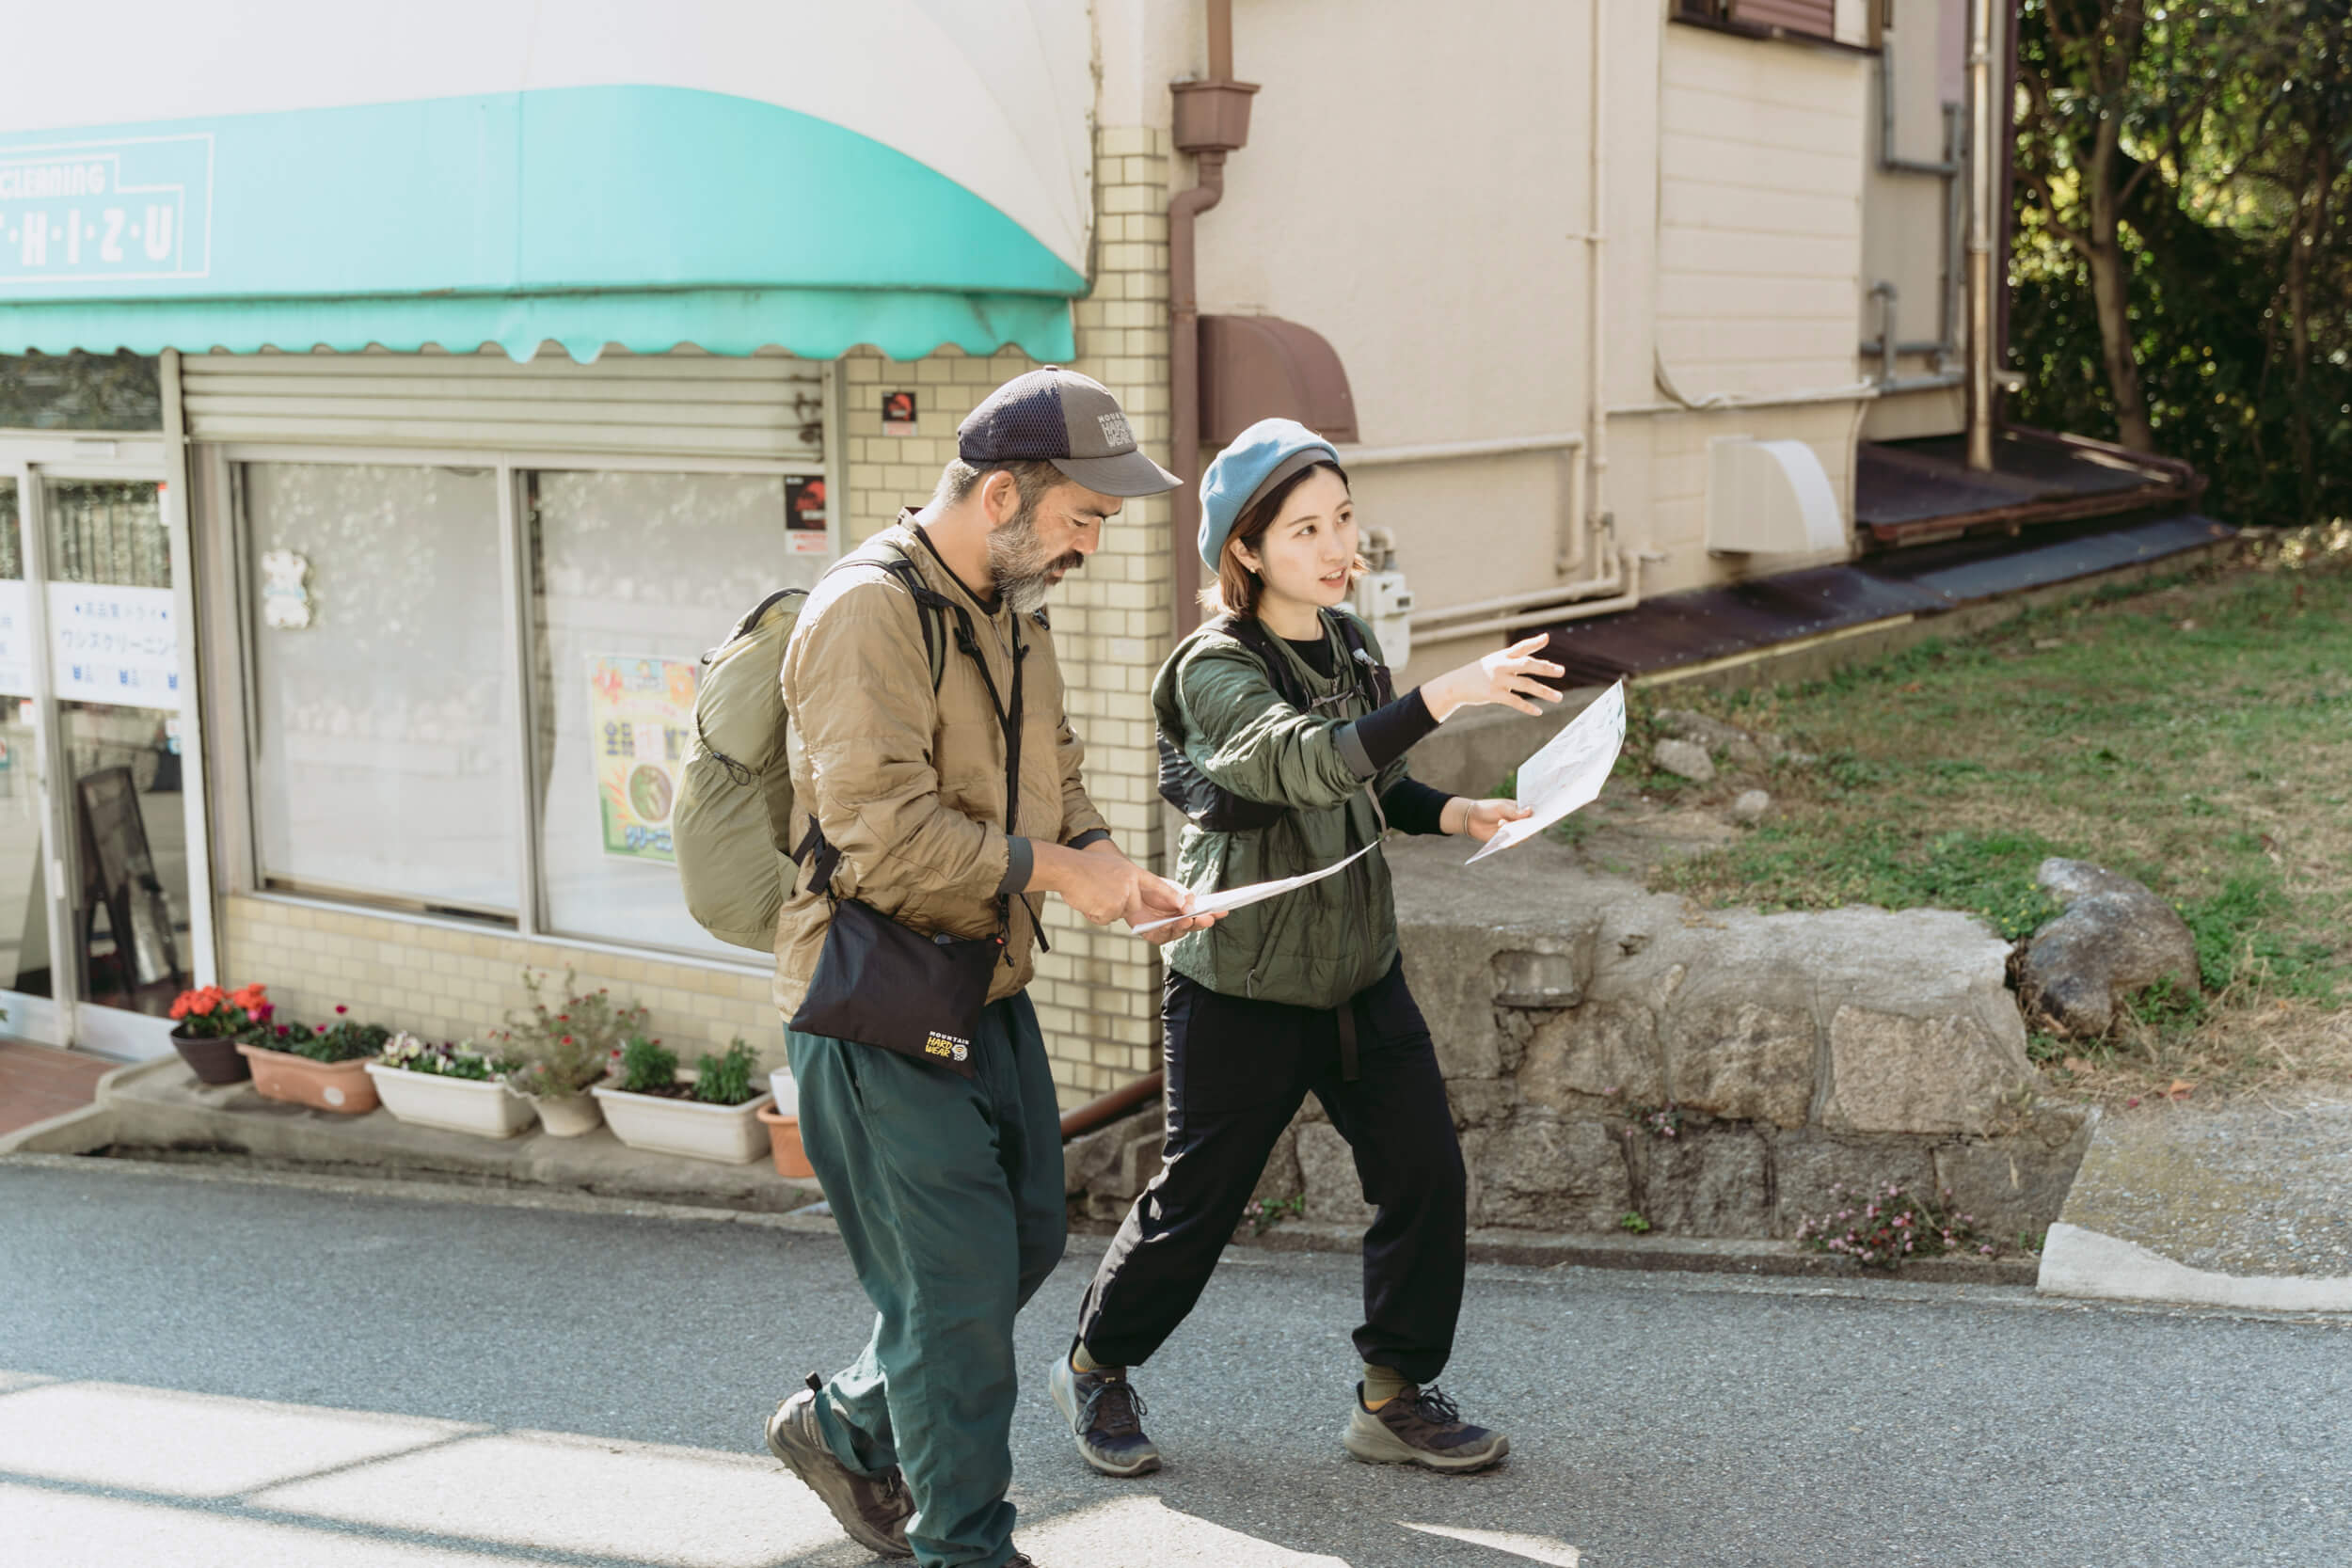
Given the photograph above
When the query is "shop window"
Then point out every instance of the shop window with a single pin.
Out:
(1764, 18)
(80, 391)
(633, 577)
(381, 719)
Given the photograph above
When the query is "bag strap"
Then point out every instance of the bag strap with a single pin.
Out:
(1370, 677)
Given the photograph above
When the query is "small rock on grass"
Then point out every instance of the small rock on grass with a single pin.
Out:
(1685, 759)
(1750, 807)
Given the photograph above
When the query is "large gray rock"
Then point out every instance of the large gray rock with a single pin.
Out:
(1541, 1171)
(1745, 751)
(1742, 1059)
(2115, 939)
(1593, 1057)
(1702, 1181)
(1894, 1072)
(1685, 759)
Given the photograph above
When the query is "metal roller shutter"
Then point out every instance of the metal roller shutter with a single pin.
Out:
(768, 406)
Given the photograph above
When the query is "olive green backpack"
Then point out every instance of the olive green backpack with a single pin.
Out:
(733, 825)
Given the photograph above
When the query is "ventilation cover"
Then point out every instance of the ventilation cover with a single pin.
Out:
(1769, 498)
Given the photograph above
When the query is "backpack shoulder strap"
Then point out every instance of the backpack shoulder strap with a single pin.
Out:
(1372, 676)
(1250, 633)
(930, 608)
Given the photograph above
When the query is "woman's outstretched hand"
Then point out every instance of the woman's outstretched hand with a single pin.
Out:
(1513, 677)
(1480, 818)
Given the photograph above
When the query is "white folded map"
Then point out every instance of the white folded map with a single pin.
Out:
(1566, 774)
(1256, 893)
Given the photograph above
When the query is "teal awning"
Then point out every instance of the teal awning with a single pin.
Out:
(644, 216)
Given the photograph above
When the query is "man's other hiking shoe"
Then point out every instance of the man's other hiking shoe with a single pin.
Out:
(1105, 1416)
(1421, 1427)
(873, 1511)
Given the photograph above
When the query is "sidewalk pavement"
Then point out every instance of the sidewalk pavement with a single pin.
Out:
(2244, 1206)
(39, 1081)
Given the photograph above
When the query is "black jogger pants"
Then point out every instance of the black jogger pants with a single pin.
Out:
(1237, 1072)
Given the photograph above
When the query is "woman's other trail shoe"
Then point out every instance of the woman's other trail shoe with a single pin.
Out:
(1105, 1416)
(1421, 1427)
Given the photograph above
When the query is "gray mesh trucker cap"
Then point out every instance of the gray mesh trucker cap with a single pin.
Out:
(1060, 417)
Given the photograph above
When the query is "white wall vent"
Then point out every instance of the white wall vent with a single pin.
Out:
(1769, 498)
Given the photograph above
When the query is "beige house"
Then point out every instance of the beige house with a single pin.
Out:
(423, 513)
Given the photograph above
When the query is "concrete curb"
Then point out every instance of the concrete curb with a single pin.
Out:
(2096, 1266)
(159, 1109)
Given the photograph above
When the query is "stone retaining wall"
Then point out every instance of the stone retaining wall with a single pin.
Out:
(1578, 1017)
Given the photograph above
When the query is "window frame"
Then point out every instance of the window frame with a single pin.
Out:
(228, 672)
(1719, 16)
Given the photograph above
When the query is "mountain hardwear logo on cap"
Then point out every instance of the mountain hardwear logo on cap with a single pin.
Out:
(1115, 429)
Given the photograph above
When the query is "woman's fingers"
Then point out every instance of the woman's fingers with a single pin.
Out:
(1528, 645)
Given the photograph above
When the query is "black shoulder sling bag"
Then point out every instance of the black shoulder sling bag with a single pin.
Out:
(880, 983)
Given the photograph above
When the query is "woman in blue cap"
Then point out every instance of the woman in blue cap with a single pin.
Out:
(1282, 744)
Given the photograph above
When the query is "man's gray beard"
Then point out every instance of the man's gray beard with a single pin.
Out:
(1022, 569)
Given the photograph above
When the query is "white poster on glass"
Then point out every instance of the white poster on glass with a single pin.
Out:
(113, 645)
(16, 634)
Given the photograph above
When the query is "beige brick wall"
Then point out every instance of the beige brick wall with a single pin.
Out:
(1096, 994)
(445, 983)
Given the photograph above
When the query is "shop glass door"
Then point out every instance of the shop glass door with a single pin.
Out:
(95, 934)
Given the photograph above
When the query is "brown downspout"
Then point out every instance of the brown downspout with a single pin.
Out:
(1212, 119)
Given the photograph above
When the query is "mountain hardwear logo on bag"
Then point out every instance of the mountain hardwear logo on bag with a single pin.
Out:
(949, 1046)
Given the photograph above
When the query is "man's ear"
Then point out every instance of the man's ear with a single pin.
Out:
(1000, 497)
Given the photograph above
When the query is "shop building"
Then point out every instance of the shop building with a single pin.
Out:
(386, 428)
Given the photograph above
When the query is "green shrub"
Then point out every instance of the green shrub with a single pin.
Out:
(726, 1080)
(646, 1066)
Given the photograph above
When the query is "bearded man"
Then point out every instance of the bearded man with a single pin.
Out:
(903, 748)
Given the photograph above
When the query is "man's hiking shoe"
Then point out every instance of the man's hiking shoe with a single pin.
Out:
(873, 1511)
(1105, 1416)
(1421, 1427)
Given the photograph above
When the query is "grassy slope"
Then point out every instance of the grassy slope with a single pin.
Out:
(2196, 735)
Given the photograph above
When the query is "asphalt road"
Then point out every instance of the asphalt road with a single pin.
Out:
(448, 1383)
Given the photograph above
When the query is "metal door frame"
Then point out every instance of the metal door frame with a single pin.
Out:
(34, 460)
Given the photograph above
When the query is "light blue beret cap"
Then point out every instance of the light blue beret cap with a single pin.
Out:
(1258, 459)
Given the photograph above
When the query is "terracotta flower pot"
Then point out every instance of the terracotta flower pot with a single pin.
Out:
(784, 1142)
(342, 1087)
(484, 1107)
(568, 1116)
(214, 1059)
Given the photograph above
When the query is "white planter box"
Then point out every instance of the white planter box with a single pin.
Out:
(486, 1108)
(731, 1134)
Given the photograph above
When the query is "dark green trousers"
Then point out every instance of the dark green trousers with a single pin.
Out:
(949, 1194)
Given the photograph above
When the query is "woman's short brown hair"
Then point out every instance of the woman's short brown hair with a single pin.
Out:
(1237, 587)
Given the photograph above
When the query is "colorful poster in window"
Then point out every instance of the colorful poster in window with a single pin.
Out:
(640, 714)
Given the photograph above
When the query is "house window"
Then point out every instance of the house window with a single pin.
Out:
(1800, 18)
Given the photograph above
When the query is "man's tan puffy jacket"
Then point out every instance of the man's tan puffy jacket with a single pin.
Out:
(911, 787)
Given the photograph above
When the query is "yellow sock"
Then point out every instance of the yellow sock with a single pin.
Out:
(1382, 1384)
(1080, 1361)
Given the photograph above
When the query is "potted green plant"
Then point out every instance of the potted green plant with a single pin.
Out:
(326, 1068)
(710, 1113)
(207, 1023)
(459, 1088)
(556, 1054)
